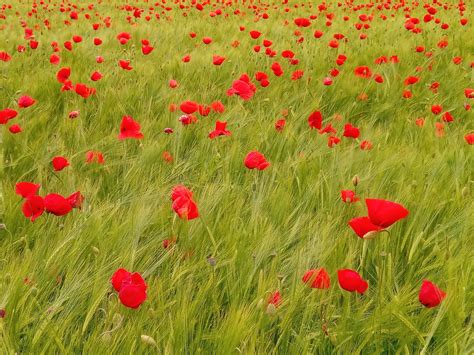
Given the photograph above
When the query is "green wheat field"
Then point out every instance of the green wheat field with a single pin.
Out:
(230, 280)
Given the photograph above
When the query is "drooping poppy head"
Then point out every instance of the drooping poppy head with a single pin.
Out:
(430, 295)
(351, 281)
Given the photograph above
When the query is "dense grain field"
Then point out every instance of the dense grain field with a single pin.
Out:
(116, 103)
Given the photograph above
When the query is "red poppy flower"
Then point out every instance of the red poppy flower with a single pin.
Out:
(365, 145)
(183, 203)
(256, 160)
(274, 299)
(315, 120)
(76, 199)
(123, 37)
(447, 117)
(351, 281)
(333, 140)
(254, 34)
(220, 130)
(5, 57)
(350, 131)
(57, 205)
(430, 295)
(218, 107)
(349, 196)
(187, 119)
(26, 189)
(63, 74)
(129, 128)
(96, 76)
(217, 59)
(7, 114)
(280, 124)
(317, 278)
(363, 227)
(469, 138)
(302, 22)
(384, 213)
(26, 101)
(243, 88)
(83, 90)
(125, 64)
(94, 157)
(33, 207)
(363, 72)
(15, 128)
(146, 49)
(436, 109)
(59, 163)
(189, 107)
(131, 288)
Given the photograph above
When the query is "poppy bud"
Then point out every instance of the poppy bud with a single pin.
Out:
(271, 309)
(148, 340)
(464, 193)
(355, 180)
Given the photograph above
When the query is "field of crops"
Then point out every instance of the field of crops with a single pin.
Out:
(222, 177)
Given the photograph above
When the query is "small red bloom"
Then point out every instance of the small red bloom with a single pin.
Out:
(15, 128)
(26, 189)
(315, 120)
(26, 101)
(351, 281)
(350, 131)
(280, 124)
(131, 288)
(256, 160)
(220, 130)
(129, 128)
(7, 114)
(274, 299)
(57, 205)
(430, 295)
(317, 278)
(33, 207)
(183, 203)
(349, 196)
(59, 163)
